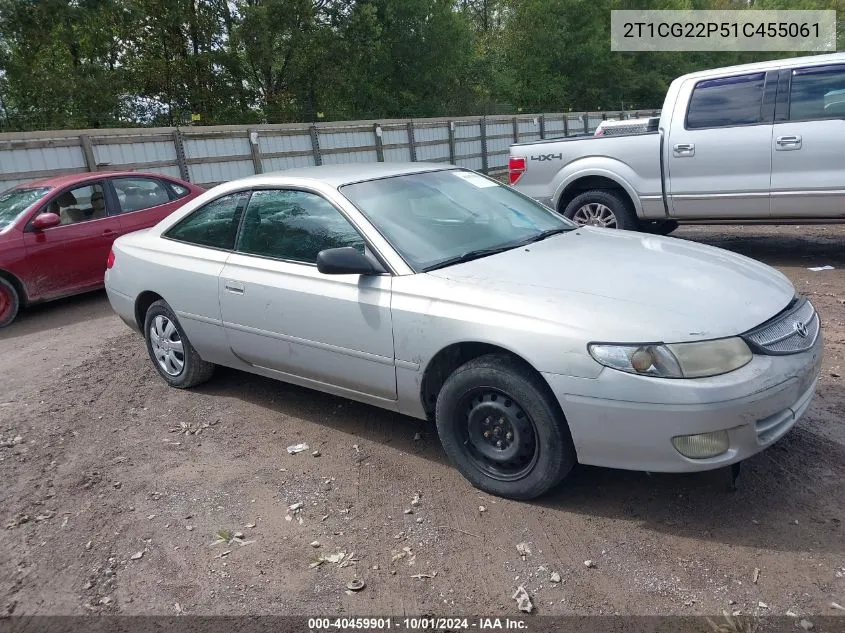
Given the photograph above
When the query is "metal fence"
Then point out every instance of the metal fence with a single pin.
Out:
(211, 155)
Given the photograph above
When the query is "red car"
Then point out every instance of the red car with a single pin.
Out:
(56, 234)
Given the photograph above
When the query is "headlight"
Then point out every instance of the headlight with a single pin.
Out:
(676, 360)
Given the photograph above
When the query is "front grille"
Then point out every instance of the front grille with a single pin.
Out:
(790, 332)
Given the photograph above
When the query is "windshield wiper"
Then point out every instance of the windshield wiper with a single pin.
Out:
(469, 256)
(548, 233)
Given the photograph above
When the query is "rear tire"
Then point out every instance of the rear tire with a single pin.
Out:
(603, 208)
(502, 428)
(173, 356)
(10, 302)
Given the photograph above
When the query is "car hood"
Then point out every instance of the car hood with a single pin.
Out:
(623, 286)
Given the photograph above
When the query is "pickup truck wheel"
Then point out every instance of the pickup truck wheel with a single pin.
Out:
(502, 428)
(172, 354)
(601, 207)
(9, 303)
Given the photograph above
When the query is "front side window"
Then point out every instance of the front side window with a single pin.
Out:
(135, 194)
(817, 93)
(80, 204)
(430, 218)
(214, 225)
(13, 202)
(294, 225)
(727, 101)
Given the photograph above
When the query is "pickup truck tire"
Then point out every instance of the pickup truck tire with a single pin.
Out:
(503, 430)
(602, 207)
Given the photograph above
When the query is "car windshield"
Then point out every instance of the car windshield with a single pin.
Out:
(13, 202)
(437, 218)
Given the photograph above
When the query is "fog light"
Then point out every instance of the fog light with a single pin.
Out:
(703, 445)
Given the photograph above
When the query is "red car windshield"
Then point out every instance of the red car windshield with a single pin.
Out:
(13, 202)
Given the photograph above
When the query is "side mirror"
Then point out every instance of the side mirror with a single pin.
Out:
(46, 221)
(346, 261)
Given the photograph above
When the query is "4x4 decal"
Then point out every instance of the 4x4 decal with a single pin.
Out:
(542, 157)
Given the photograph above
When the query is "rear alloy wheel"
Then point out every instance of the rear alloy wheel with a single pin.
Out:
(602, 208)
(9, 302)
(502, 428)
(172, 354)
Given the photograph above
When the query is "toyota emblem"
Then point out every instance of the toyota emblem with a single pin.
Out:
(800, 328)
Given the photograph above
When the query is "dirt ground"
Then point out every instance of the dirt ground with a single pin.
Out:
(115, 488)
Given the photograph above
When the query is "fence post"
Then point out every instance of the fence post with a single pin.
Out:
(484, 159)
(255, 151)
(315, 145)
(179, 145)
(586, 123)
(379, 142)
(412, 143)
(565, 125)
(515, 130)
(88, 152)
(542, 126)
(451, 129)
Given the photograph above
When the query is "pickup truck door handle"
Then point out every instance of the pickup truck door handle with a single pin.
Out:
(681, 150)
(235, 287)
(788, 142)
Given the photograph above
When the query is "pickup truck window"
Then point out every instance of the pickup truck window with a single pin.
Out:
(726, 101)
(817, 94)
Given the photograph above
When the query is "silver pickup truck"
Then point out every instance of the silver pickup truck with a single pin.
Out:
(760, 143)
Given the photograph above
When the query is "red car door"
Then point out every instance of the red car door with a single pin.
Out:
(71, 257)
(144, 201)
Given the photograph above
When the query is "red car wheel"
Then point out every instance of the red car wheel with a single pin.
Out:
(9, 302)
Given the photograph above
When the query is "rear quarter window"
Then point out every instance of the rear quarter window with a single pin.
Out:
(214, 225)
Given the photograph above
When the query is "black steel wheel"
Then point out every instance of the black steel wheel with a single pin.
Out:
(500, 438)
(503, 429)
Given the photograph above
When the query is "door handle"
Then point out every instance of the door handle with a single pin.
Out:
(235, 287)
(788, 140)
(683, 149)
(109, 232)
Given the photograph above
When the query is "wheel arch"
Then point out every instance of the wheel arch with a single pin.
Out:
(449, 358)
(142, 304)
(583, 181)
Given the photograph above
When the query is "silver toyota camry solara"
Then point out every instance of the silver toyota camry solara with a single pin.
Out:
(439, 293)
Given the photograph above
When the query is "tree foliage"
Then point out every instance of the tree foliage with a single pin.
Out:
(98, 63)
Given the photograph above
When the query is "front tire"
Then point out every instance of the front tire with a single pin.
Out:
(502, 428)
(172, 354)
(10, 302)
(603, 208)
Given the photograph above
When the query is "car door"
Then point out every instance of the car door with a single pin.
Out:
(718, 153)
(71, 257)
(142, 201)
(281, 313)
(808, 144)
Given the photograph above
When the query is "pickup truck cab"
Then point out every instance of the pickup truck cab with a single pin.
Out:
(761, 142)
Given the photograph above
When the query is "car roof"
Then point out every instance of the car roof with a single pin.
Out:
(339, 175)
(57, 182)
(789, 62)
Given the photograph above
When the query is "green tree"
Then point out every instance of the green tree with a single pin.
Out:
(62, 63)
